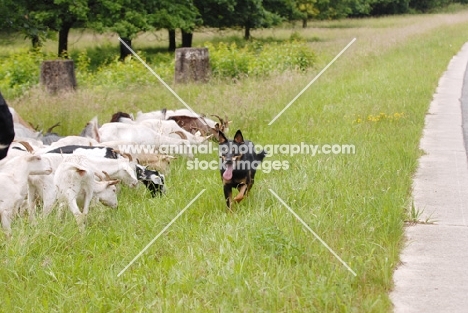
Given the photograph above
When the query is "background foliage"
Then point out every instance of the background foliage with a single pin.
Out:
(43, 19)
(232, 59)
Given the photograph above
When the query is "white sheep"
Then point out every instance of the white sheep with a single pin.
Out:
(76, 185)
(14, 178)
(42, 188)
(170, 127)
(137, 135)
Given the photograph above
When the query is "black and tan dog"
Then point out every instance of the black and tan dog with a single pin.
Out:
(239, 162)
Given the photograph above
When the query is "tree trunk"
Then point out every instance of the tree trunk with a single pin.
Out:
(58, 75)
(36, 42)
(172, 40)
(192, 64)
(124, 51)
(247, 32)
(304, 23)
(63, 40)
(186, 39)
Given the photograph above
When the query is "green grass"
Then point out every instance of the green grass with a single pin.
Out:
(260, 258)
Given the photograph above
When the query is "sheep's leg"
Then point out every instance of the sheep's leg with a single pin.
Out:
(87, 201)
(79, 217)
(60, 210)
(49, 196)
(32, 191)
(6, 222)
(48, 204)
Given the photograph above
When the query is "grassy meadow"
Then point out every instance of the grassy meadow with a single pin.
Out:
(260, 258)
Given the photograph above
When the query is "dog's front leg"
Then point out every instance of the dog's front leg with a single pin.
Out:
(228, 196)
(242, 190)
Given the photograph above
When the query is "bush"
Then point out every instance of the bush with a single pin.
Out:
(259, 59)
(121, 74)
(115, 73)
(20, 71)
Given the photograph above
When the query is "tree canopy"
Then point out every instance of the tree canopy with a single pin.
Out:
(41, 19)
(172, 15)
(38, 19)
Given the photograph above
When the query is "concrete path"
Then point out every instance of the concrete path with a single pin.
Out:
(433, 276)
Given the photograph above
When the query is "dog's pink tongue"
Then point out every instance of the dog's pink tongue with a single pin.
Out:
(227, 175)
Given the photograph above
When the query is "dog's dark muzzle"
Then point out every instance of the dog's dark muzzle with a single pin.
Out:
(227, 158)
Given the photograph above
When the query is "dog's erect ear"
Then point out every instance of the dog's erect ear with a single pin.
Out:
(221, 137)
(238, 138)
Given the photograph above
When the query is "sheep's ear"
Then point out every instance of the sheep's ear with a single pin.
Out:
(34, 158)
(81, 172)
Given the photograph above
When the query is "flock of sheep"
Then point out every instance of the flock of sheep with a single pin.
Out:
(47, 170)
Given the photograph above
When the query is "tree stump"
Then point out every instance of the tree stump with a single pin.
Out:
(58, 75)
(192, 64)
